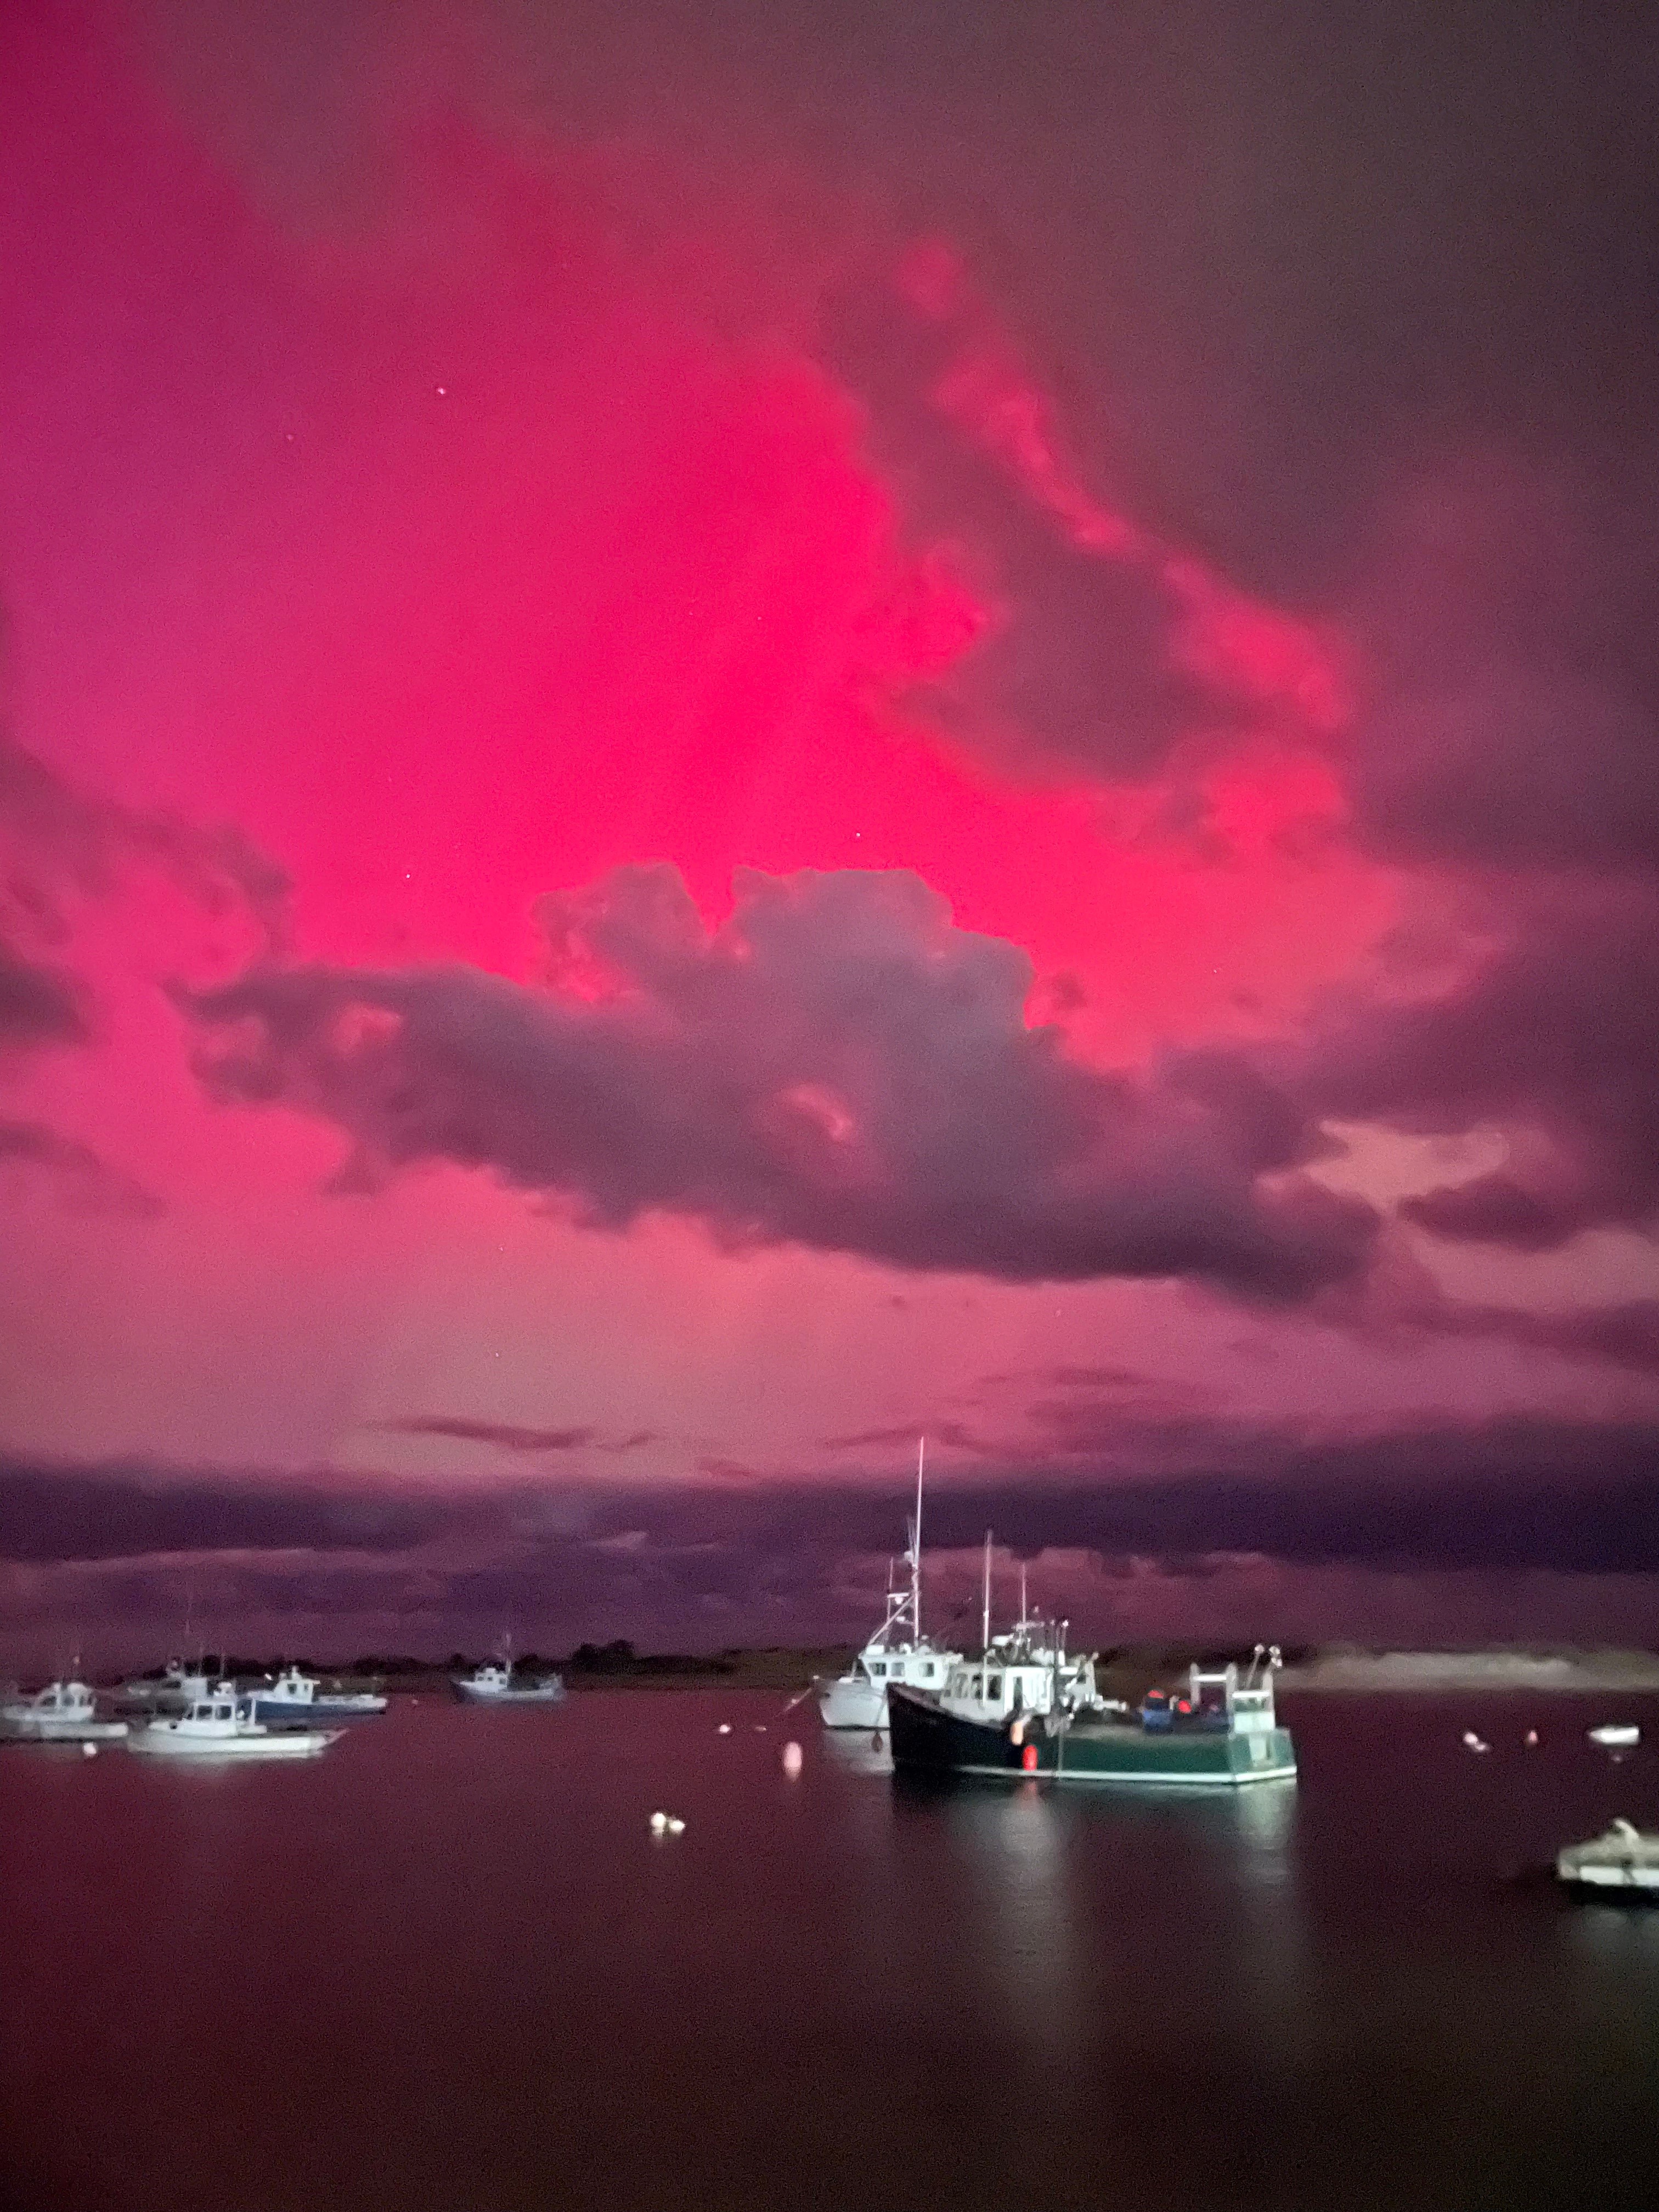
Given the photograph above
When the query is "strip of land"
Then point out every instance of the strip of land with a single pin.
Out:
(1126, 1671)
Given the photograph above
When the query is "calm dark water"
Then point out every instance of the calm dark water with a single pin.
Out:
(447, 1969)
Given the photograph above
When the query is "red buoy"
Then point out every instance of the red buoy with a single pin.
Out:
(1028, 1759)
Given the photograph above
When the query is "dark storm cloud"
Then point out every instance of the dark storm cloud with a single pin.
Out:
(122, 1509)
(39, 1004)
(1553, 1037)
(837, 1065)
(1511, 614)
(503, 1434)
(1094, 650)
(1508, 1495)
(81, 1177)
(54, 835)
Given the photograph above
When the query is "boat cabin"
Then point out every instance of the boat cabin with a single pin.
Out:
(291, 1687)
(920, 1665)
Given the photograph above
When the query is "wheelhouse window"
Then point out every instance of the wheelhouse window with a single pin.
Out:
(993, 1687)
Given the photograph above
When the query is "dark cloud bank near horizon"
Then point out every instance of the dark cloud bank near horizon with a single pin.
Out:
(1504, 1498)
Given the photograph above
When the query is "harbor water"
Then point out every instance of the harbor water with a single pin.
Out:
(448, 1967)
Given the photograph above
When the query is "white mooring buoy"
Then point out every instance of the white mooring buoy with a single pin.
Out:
(792, 1759)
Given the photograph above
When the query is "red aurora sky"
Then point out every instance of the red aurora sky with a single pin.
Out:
(727, 735)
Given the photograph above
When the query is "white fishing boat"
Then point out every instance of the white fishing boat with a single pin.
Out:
(1616, 1735)
(294, 1696)
(898, 1652)
(1623, 1861)
(222, 1726)
(495, 1684)
(64, 1712)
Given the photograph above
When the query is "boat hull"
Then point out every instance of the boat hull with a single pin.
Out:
(925, 1739)
(65, 1731)
(288, 1713)
(551, 1694)
(291, 1743)
(1627, 1885)
(863, 1705)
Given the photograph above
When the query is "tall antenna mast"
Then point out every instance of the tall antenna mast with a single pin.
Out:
(985, 1609)
(915, 1546)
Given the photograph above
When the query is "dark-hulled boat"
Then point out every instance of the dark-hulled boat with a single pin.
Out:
(1008, 1717)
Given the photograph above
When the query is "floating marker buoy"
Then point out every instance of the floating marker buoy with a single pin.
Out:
(659, 1823)
(677, 1827)
(1474, 1742)
(1028, 1759)
(725, 1729)
(88, 1751)
(1532, 1738)
(792, 1759)
(759, 1728)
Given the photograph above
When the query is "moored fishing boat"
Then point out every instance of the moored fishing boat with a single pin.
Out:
(1616, 1735)
(222, 1726)
(64, 1712)
(1022, 1708)
(1010, 1721)
(1622, 1863)
(898, 1652)
(495, 1684)
(297, 1697)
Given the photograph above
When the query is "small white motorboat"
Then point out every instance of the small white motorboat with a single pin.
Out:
(494, 1684)
(64, 1712)
(1616, 1735)
(223, 1726)
(1624, 1860)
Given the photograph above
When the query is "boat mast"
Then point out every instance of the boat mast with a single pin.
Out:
(985, 1607)
(915, 1547)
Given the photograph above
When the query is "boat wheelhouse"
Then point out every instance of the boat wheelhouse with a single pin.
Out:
(898, 1652)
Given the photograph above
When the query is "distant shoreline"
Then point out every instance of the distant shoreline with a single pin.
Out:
(1122, 1671)
(1404, 1671)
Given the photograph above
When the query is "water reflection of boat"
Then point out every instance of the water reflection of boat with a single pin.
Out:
(64, 1712)
(896, 1652)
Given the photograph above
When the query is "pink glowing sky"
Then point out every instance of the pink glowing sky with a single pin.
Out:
(459, 498)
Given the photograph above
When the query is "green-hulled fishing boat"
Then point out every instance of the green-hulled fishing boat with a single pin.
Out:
(1023, 1709)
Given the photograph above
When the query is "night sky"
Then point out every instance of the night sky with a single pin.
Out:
(730, 730)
